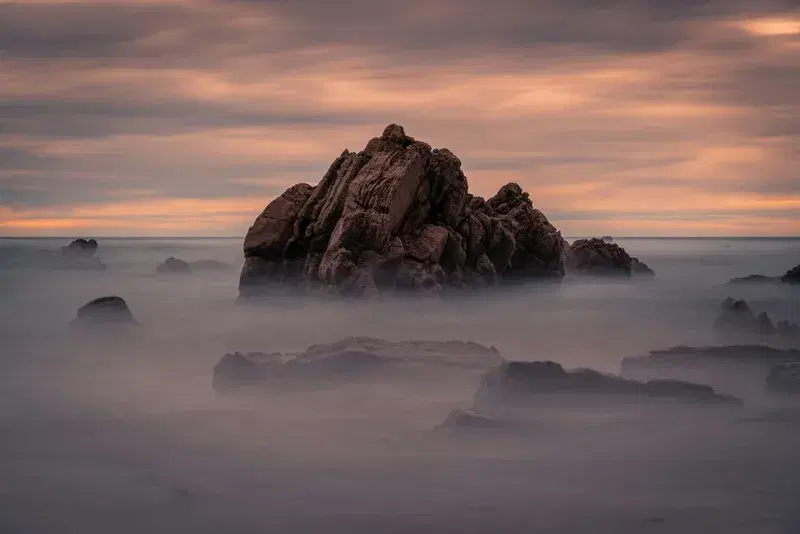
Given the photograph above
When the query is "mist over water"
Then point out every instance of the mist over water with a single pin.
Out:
(122, 431)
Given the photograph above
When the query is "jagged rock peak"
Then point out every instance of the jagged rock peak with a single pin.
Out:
(397, 215)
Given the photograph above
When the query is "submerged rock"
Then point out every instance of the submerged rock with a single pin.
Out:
(598, 257)
(174, 265)
(792, 276)
(733, 367)
(515, 381)
(468, 419)
(348, 359)
(755, 279)
(737, 319)
(208, 265)
(397, 215)
(784, 378)
(104, 310)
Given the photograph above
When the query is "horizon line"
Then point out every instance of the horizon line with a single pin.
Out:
(73, 237)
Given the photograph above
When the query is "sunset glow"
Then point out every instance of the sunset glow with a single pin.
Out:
(684, 125)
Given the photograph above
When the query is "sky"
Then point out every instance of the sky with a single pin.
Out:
(186, 117)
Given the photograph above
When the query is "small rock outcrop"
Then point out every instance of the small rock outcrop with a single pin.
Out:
(597, 257)
(80, 254)
(397, 215)
(346, 360)
(104, 310)
(514, 382)
(792, 276)
(784, 378)
(737, 319)
(469, 419)
(174, 265)
(81, 248)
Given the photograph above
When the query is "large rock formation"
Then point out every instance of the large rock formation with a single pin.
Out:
(397, 215)
(81, 248)
(346, 360)
(599, 257)
(103, 311)
(516, 382)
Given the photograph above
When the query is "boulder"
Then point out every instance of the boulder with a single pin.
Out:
(784, 378)
(78, 255)
(514, 382)
(397, 215)
(104, 310)
(347, 360)
(174, 265)
(598, 257)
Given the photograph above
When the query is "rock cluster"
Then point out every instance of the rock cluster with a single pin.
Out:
(397, 215)
(599, 257)
(104, 310)
(736, 318)
(792, 276)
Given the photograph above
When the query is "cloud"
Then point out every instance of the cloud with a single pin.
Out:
(624, 109)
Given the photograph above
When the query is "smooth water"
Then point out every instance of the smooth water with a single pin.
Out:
(126, 435)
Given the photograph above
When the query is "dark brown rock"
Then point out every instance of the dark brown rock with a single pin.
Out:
(600, 258)
(399, 214)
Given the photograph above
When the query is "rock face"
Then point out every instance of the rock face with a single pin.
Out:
(174, 265)
(104, 310)
(600, 258)
(784, 378)
(397, 215)
(347, 359)
(515, 382)
(737, 319)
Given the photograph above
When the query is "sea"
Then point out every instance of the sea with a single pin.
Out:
(124, 433)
